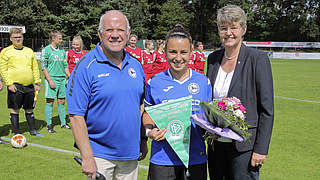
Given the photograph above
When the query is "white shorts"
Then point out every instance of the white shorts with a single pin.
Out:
(117, 170)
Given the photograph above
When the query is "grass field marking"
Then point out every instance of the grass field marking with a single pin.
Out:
(61, 150)
(48, 147)
(294, 99)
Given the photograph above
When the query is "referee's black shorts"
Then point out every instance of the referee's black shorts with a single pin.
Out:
(159, 172)
(23, 97)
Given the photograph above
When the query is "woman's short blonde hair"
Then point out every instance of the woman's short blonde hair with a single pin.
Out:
(78, 38)
(230, 14)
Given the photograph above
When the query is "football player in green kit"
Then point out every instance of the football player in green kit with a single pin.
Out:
(56, 72)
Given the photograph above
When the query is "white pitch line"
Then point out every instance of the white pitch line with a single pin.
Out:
(61, 150)
(294, 99)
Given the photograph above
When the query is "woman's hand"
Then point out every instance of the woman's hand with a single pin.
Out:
(156, 134)
(52, 84)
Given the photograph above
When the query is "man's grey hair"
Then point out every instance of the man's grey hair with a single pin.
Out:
(101, 20)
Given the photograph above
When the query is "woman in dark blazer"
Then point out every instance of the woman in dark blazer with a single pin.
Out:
(244, 73)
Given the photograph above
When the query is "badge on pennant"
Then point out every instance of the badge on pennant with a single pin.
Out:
(174, 116)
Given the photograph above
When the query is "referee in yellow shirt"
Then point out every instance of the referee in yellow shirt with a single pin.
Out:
(19, 70)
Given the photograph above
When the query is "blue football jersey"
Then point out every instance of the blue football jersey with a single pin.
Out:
(163, 88)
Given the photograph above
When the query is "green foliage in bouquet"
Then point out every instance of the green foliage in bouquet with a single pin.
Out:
(227, 113)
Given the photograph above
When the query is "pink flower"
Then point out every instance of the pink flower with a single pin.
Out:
(242, 108)
(222, 105)
(235, 100)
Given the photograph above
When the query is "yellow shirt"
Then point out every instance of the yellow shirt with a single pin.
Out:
(19, 66)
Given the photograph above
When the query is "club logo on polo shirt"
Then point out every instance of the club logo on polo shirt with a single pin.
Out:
(132, 73)
(175, 128)
(194, 88)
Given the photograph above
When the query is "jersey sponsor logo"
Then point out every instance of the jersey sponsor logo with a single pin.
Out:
(56, 57)
(103, 75)
(194, 88)
(168, 88)
(76, 59)
(132, 73)
(175, 127)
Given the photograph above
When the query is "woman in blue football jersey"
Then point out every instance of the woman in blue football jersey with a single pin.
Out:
(176, 82)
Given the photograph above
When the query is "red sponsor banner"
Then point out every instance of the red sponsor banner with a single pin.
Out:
(283, 44)
(258, 42)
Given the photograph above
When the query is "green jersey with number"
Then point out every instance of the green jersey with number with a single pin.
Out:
(54, 60)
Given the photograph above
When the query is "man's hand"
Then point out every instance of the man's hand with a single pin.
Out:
(143, 149)
(157, 134)
(89, 167)
(257, 159)
(12, 88)
(1, 85)
(52, 84)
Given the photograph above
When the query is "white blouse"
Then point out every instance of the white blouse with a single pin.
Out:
(221, 88)
(222, 84)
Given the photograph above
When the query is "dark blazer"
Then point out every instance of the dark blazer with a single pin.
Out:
(252, 83)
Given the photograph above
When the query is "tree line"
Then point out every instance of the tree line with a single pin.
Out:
(276, 20)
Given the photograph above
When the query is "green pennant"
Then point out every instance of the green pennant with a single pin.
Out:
(174, 116)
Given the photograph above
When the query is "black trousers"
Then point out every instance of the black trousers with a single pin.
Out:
(226, 163)
(195, 172)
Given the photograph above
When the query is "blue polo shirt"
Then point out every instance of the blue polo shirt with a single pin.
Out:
(163, 88)
(109, 98)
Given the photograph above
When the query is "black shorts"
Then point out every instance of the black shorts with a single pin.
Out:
(159, 172)
(23, 97)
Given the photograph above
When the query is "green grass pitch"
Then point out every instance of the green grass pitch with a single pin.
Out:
(294, 150)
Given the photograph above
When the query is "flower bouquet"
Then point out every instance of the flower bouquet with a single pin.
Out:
(224, 117)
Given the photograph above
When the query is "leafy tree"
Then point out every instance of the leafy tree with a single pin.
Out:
(203, 24)
(171, 13)
(32, 14)
(276, 20)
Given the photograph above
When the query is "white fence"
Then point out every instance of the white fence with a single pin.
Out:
(282, 44)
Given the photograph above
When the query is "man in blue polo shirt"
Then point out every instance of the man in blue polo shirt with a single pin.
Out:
(105, 99)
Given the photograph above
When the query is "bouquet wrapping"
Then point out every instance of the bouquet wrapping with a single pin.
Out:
(226, 114)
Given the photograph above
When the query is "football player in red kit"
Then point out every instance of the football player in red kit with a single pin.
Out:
(132, 49)
(147, 59)
(200, 59)
(74, 55)
(159, 58)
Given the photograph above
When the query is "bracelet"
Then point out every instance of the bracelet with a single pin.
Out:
(147, 132)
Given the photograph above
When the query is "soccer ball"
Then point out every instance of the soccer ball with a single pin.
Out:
(18, 141)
